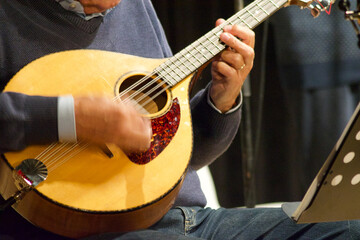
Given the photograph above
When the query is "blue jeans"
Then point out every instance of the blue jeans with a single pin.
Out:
(238, 223)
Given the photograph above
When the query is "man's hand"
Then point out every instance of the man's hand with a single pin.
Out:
(100, 120)
(231, 67)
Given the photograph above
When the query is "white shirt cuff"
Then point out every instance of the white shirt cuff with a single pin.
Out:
(233, 109)
(66, 119)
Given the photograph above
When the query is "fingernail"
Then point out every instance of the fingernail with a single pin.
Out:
(227, 28)
(225, 36)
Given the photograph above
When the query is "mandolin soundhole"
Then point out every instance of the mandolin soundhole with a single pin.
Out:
(151, 97)
(147, 94)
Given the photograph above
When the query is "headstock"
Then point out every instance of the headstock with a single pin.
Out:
(315, 6)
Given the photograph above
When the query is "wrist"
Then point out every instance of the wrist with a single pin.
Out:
(223, 106)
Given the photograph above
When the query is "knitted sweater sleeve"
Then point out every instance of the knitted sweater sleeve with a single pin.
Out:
(26, 120)
(213, 131)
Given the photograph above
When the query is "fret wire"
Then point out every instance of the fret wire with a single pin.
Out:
(212, 42)
(179, 67)
(189, 59)
(270, 6)
(233, 21)
(194, 56)
(259, 11)
(172, 72)
(175, 67)
(244, 21)
(181, 55)
(159, 74)
(240, 12)
(262, 9)
(185, 65)
(252, 15)
(206, 48)
(163, 69)
(274, 3)
(199, 51)
(187, 50)
(218, 40)
(240, 15)
(179, 59)
(266, 3)
(164, 74)
(215, 40)
(254, 21)
(202, 50)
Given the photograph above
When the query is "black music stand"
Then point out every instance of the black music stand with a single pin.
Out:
(335, 191)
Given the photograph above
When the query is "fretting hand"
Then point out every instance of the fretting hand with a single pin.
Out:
(231, 67)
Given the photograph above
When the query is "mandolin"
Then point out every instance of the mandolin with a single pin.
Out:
(77, 189)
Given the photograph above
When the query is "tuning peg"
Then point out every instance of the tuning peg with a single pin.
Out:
(315, 10)
(318, 6)
(344, 5)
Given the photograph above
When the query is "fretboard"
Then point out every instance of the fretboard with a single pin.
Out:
(205, 48)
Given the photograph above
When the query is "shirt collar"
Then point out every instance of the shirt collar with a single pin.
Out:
(77, 7)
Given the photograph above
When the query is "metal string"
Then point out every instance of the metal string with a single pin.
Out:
(54, 156)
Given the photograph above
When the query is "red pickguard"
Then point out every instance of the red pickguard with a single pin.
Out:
(164, 129)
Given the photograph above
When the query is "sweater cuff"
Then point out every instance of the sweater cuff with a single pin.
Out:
(41, 120)
(213, 131)
(209, 118)
(238, 103)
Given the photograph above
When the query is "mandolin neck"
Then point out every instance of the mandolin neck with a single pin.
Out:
(191, 58)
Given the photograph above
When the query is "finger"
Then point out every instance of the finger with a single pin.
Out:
(233, 41)
(215, 71)
(140, 128)
(139, 138)
(144, 132)
(221, 70)
(246, 51)
(232, 58)
(246, 35)
(219, 21)
(226, 70)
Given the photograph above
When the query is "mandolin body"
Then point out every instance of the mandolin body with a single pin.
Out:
(91, 192)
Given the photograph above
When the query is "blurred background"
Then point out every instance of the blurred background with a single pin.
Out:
(305, 85)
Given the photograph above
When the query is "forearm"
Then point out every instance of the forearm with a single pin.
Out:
(26, 120)
(213, 131)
